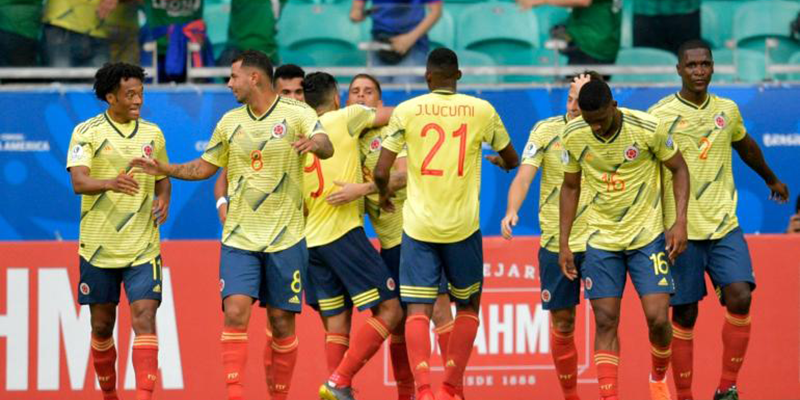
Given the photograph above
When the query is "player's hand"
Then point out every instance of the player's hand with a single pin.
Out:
(794, 224)
(348, 192)
(222, 212)
(676, 240)
(304, 145)
(528, 4)
(160, 210)
(124, 183)
(579, 81)
(567, 263)
(498, 161)
(778, 191)
(507, 225)
(357, 14)
(402, 43)
(105, 8)
(385, 202)
(149, 166)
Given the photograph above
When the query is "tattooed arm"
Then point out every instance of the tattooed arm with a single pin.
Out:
(195, 170)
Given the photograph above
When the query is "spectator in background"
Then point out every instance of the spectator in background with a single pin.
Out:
(593, 30)
(20, 28)
(794, 220)
(160, 15)
(123, 37)
(665, 24)
(404, 25)
(76, 31)
(253, 25)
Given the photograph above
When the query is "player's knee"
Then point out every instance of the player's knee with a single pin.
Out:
(606, 322)
(237, 316)
(658, 322)
(390, 312)
(144, 320)
(563, 320)
(442, 313)
(103, 328)
(738, 298)
(282, 324)
(685, 315)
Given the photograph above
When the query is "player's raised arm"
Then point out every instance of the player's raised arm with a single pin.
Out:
(752, 156)
(83, 183)
(195, 170)
(677, 235)
(567, 207)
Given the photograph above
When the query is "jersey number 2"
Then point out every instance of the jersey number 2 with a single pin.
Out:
(460, 133)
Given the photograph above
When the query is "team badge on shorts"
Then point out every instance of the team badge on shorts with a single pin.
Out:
(719, 121)
(279, 130)
(375, 144)
(390, 284)
(85, 290)
(631, 153)
(221, 285)
(530, 150)
(546, 296)
(76, 153)
(588, 283)
(565, 157)
(147, 150)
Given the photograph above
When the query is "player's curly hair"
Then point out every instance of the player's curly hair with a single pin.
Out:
(318, 88)
(108, 77)
(594, 95)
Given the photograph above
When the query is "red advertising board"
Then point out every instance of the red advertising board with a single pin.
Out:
(44, 334)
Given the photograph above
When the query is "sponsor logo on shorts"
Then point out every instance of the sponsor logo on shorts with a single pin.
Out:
(390, 284)
(85, 290)
(147, 150)
(546, 296)
(294, 300)
(279, 130)
(588, 283)
(631, 153)
(157, 289)
(663, 282)
(221, 285)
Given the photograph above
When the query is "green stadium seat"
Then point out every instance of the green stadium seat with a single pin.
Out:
(716, 21)
(756, 21)
(443, 34)
(500, 30)
(646, 56)
(217, 17)
(751, 66)
(468, 58)
(548, 17)
(294, 57)
(456, 9)
(323, 31)
(626, 38)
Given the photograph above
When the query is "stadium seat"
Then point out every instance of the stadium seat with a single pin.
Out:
(716, 21)
(548, 17)
(646, 56)
(294, 57)
(756, 21)
(499, 30)
(443, 34)
(217, 17)
(626, 37)
(750, 65)
(322, 31)
(468, 58)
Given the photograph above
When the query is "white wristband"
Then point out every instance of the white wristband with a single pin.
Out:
(222, 200)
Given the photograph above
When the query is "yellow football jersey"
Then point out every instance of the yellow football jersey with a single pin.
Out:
(543, 151)
(443, 133)
(117, 230)
(265, 173)
(325, 222)
(623, 171)
(704, 134)
(388, 225)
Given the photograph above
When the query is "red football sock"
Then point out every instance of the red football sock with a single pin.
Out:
(418, 341)
(234, 358)
(104, 355)
(462, 340)
(735, 336)
(368, 340)
(607, 363)
(268, 358)
(682, 360)
(565, 358)
(336, 346)
(145, 365)
(284, 358)
(443, 338)
(402, 369)
(660, 357)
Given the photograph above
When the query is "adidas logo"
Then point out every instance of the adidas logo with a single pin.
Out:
(157, 289)
(451, 363)
(422, 365)
(663, 282)
(294, 300)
